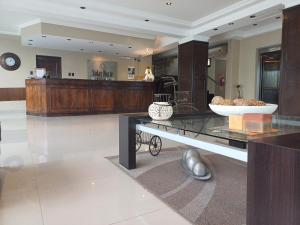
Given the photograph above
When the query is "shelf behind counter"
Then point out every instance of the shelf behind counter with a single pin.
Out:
(57, 97)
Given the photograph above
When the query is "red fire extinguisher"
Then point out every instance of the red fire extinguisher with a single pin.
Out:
(222, 81)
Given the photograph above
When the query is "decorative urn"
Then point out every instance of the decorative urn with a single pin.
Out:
(160, 109)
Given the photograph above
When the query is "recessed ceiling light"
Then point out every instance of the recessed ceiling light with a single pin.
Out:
(216, 29)
(252, 16)
(147, 20)
(44, 36)
(129, 47)
(168, 3)
(69, 39)
(230, 24)
(30, 40)
(82, 7)
(255, 24)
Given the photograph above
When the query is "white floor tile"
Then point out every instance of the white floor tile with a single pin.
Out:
(97, 202)
(21, 209)
(164, 216)
(54, 172)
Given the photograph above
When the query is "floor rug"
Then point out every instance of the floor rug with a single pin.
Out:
(220, 201)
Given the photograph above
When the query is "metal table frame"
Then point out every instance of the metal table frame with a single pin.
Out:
(224, 150)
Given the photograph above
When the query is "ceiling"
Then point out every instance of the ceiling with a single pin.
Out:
(87, 46)
(182, 20)
(189, 10)
(10, 24)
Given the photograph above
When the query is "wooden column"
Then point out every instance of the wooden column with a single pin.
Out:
(289, 94)
(192, 65)
(127, 154)
(273, 187)
(127, 139)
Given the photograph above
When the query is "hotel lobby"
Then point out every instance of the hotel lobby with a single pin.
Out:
(154, 112)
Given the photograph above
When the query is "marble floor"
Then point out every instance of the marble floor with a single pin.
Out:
(53, 171)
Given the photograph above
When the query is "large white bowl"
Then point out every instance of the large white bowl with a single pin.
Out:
(227, 110)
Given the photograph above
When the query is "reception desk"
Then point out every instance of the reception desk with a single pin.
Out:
(55, 97)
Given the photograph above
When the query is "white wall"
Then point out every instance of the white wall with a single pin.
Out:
(232, 69)
(248, 59)
(71, 62)
(211, 73)
(220, 72)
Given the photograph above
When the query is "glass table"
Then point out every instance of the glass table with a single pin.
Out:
(272, 169)
(192, 130)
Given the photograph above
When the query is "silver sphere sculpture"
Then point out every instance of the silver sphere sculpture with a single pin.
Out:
(194, 166)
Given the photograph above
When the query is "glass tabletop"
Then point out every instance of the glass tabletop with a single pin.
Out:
(217, 126)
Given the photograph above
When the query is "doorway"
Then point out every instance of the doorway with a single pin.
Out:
(52, 65)
(269, 74)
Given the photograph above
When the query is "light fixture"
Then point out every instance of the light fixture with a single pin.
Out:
(252, 16)
(147, 20)
(129, 47)
(82, 7)
(169, 3)
(30, 40)
(230, 24)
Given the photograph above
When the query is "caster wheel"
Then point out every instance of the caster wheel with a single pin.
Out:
(155, 145)
(138, 141)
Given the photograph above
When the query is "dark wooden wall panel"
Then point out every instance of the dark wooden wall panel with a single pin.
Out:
(290, 75)
(192, 64)
(102, 100)
(54, 97)
(273, 189)
(36, 99)
(69, 99)
(12, 94)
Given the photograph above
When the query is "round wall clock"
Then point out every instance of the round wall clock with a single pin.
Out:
(10, 61)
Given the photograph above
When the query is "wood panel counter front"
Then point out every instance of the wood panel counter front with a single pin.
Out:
(55, 97)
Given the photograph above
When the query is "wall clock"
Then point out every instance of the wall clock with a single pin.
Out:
(10, 61)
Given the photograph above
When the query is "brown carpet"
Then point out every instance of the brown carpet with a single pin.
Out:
(220, 201)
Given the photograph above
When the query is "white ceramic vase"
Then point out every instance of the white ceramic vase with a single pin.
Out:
(160, 111)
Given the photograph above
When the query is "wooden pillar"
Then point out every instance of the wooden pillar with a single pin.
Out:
(127, 138)
(192, 65)
(289, 94)
(273, 187)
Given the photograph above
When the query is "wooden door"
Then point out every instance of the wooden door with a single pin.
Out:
(51, 64)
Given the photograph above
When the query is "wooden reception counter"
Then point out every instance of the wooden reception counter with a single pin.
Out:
(55, 97)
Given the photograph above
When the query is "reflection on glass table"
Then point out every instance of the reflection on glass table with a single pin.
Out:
(217, 126)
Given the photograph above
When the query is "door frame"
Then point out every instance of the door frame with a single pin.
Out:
(272, 48)
(51, 57)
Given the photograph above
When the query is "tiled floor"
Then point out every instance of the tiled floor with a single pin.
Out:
(53, 172)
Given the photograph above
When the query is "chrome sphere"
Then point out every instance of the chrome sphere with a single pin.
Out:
(199, 169)
(192, 153)
(191, 162)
